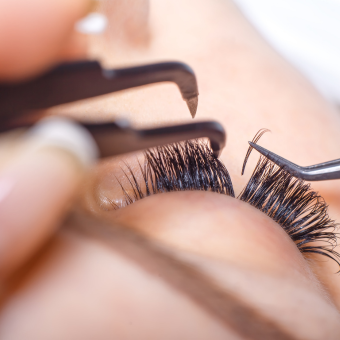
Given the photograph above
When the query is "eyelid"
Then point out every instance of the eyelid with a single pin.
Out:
(192, 166)
(103, 190)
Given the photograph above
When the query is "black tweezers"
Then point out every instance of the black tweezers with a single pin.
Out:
(75, 81)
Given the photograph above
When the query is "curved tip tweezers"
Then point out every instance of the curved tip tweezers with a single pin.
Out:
(80, 80)
(118, 138)
(318, 172)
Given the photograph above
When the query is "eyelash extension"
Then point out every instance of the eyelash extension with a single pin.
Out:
(256, 138)
(289, 201)
(187, 166)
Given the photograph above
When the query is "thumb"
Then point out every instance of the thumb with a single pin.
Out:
(37, 186)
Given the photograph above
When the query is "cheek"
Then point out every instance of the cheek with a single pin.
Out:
(217, 226)
(81, 289)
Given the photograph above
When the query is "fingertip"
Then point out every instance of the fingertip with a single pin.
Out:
(34, 34)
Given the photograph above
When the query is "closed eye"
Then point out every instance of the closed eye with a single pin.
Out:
(290, 202)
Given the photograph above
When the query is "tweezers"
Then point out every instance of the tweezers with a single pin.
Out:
(119, 137)
(80, 80)
(318, 172)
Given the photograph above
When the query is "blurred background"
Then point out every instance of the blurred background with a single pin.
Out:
(305, 32)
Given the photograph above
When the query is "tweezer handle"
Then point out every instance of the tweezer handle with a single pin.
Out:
(115, 139)
(80, 80)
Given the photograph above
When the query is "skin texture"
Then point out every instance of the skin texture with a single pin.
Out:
(244, 93)
(79, 287)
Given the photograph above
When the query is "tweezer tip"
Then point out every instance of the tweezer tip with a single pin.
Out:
(259, 148)
(192, 105)
(278, 160)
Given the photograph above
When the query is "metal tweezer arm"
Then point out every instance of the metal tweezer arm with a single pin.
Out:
(80, 80)
(118, 138)
(318, 172)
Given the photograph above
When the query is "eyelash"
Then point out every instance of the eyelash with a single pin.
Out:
(290, 202)
(178, 167)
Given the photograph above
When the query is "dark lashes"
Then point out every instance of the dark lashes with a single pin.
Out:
(300, 211)
(290, 202)
(178, 167)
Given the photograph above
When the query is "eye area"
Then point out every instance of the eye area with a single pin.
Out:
(213, 225)
(299, 210)
(191, 166)
(179, 167)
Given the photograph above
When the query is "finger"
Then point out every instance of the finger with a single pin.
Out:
(33, 34)
(99, 289)
(37, 186)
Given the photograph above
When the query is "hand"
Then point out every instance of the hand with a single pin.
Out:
(37, 34)
(39, 182)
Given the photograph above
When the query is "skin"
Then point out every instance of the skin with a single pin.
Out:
(26, 48)
(243, 93)
(78, 287)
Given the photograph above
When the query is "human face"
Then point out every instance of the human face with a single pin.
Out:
(246, 86)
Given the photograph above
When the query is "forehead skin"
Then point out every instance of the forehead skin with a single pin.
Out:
(243, 84)
(246, 86)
